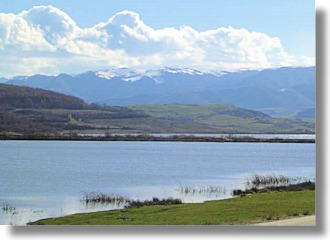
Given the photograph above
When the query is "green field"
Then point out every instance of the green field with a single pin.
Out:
(149, 119)
(221, 118)
(254, 208)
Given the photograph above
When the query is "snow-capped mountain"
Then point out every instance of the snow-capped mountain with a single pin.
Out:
(127, 74)
(291, 89)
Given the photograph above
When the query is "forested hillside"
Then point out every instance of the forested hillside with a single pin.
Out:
(25, 97)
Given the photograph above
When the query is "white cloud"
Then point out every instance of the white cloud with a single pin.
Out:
(27, 65)
(16, 33)
(307, 61)
(45, 39)
(54, 24)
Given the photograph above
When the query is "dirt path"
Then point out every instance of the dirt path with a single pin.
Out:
(299, 221)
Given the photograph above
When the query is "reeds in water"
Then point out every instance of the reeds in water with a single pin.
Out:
(8, 208)
(258, 180)
(307, 185)
(209, 189)
(99, 197)
(95, 197)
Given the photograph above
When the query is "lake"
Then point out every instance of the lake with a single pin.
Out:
(44, 179)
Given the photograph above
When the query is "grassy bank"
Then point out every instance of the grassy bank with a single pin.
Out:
(252, 208)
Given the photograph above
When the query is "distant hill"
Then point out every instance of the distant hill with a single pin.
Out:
(30, 111)
(308, 113)
(25, 110)
(286, 89)
(25, 97)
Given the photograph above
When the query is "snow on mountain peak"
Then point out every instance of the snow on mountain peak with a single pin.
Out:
(105, 74)
(183, 71)
(125, 73)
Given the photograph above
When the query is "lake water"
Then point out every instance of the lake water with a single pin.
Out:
(48, 178)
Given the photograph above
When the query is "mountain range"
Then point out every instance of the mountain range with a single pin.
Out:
(286, 91)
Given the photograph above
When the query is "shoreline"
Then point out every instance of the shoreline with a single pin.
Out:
(150, 138)
(259, 213)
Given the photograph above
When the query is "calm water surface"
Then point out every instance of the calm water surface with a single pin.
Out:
(48, 178)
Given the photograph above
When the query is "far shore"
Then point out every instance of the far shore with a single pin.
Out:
(151, 138)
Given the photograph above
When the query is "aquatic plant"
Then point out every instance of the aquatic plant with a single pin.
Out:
(99, 197)
(8, 208)
(208, 189)
(258, 180)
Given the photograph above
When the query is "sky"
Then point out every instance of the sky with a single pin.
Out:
(54, 36)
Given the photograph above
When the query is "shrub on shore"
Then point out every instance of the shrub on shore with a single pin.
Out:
(154, 201)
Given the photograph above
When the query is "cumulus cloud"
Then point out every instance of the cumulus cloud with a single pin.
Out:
(46, 40)
(16, 33)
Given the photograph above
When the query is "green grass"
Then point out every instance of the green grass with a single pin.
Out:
(177, 111)
(235, 211)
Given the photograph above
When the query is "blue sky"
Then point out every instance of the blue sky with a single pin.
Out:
(291, 21)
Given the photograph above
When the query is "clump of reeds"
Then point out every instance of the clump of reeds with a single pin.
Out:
(188, 189)
(99, 197)
(209, 189)
(7, 207)
(154, 201)
(258, 180)
(307, 185)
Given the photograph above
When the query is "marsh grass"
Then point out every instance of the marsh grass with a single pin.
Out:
(205, 190)
(258, 180)
(102, 198)
(8, 208)
(307, 185)
(99, 197)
